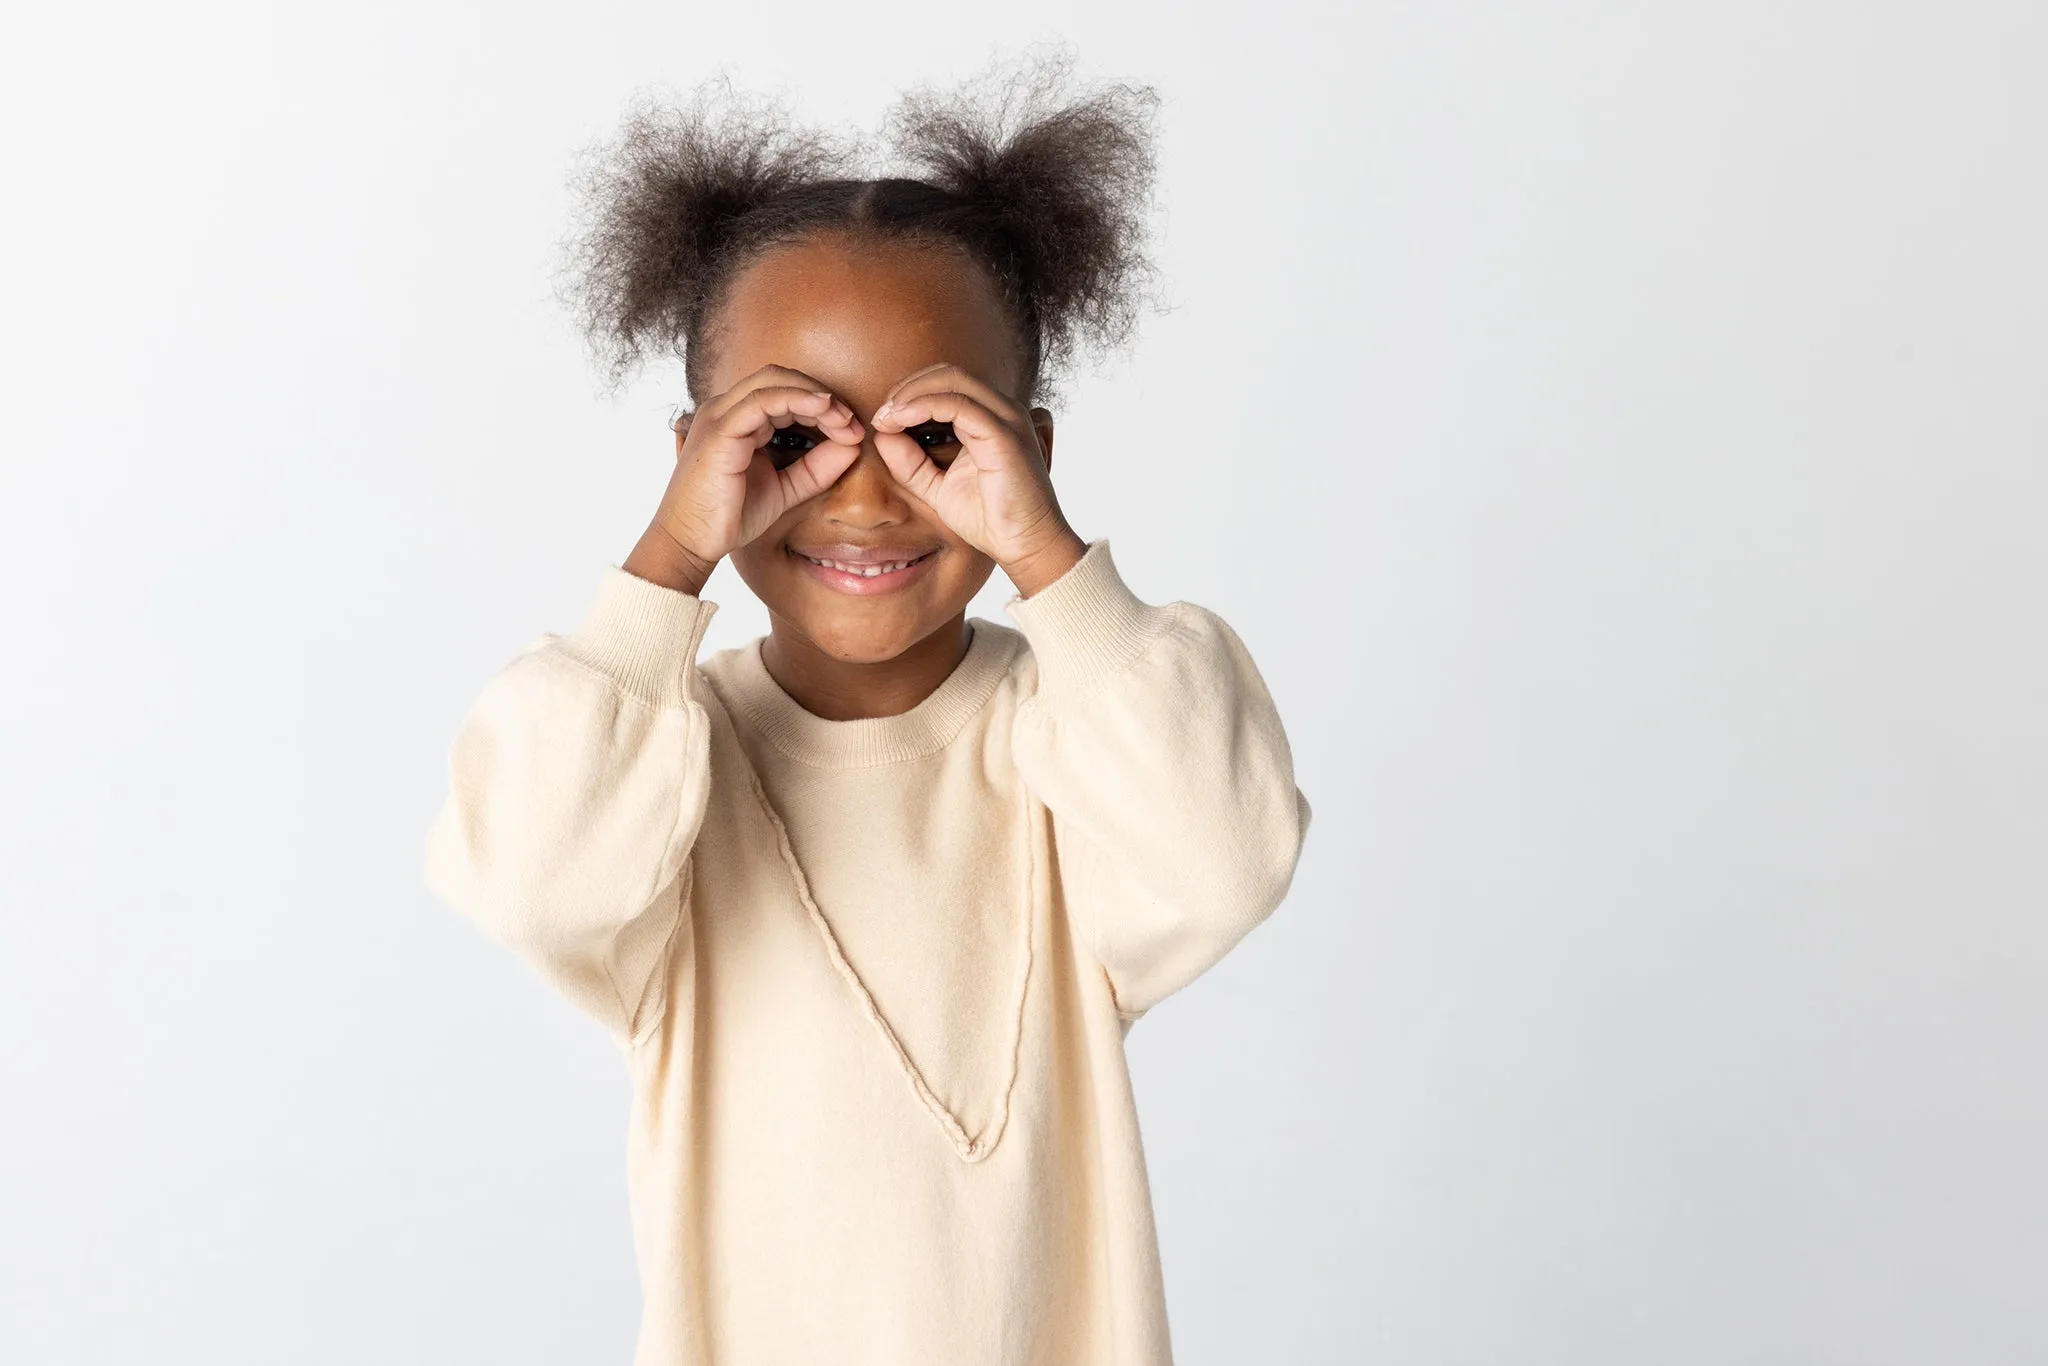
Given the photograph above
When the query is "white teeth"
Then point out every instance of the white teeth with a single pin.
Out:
(866, 571)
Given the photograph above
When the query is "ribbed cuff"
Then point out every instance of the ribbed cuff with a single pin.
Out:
(1087, 623)
(642, 636)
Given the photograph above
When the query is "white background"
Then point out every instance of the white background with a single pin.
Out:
(1617, 429)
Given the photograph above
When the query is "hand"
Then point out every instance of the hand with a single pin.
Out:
(986, 477)
(729, 484)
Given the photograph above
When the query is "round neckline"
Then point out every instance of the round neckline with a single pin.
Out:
(923, 730)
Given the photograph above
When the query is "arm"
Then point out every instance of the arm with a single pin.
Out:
(577, 784)
(1153, 741)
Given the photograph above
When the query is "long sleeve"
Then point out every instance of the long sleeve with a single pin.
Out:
(1156, 746)
(577, 783)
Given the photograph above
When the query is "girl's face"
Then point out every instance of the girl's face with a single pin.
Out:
(857, 318)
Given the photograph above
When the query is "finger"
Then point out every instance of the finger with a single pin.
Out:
(909, 464)
(836, 424)
(729, 442)
(755, 417)
(901, 387)
(768, 376)
(971, 420)
(949, 378)
(817, 470)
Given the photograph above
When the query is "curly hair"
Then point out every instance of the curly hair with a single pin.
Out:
(1048, 191)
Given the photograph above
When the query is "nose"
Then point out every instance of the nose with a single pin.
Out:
(865, 494)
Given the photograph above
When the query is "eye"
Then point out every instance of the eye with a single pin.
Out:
(789, 444)
(937, 440)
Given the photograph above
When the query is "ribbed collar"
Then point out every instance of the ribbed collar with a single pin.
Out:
(745, 686)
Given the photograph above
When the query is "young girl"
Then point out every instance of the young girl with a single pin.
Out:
(871, 903)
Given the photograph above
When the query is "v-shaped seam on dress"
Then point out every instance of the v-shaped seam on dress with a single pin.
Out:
(970, 1147)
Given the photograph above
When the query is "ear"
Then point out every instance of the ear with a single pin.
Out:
(1041, 422)
(680, 424)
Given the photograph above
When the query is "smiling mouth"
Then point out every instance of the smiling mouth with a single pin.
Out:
(867, 571)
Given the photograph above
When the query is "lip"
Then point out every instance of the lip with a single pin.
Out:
(861, 585)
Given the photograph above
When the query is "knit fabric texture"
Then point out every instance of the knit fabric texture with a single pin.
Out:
(872, 979)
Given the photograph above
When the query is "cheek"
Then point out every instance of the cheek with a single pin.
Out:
(967, 569)
(748, 560)
(763, 566)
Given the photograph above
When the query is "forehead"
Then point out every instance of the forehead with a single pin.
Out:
(858, 316)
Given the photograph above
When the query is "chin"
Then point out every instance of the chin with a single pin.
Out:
(866, 633)
(855, 630)
(858, 643)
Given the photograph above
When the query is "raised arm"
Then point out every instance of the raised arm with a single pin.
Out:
(577, 784)
(1154, 742)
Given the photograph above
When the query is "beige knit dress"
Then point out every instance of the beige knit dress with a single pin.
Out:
(872, 978)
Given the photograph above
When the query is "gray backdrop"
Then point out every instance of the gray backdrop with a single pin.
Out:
(1618, 431)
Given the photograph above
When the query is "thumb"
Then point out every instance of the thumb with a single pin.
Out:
(906, 461)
